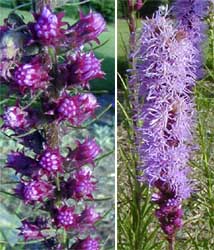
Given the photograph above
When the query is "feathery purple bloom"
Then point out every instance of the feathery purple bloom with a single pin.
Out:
(166, 73)
(190, 15)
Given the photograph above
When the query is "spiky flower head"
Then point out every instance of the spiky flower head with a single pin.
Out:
(65, 217)
(31, 76)
(75, 109)
(51, 161)
(85, 153)
(81, 185)
(48, 27)
(34, 191)
(190, 15)
(16, 118)
(31, 231)
(89, 216)
(23, 164)
(87, 29)
(81, 68)
(88, 243)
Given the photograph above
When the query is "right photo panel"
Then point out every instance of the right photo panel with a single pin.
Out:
(165, 125)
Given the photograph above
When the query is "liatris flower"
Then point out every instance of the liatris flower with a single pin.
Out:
(87, 29)
(48, 27)
(31, 231)
(34, 191)
(66, 218)
(51, 161)
(31, 76)
(80, 69)
(86, 244)
(81, 185)
(191, 14)
(16, 118)
(23, 164)
(85, 153)
(89, 216)
(75, 109)
(166, 68)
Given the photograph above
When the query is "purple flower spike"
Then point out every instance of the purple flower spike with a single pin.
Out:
(87, 29)
(85, 153)
(34, 191)
(164, 115)
(51, 161)
(16, 118)
(48, 27)
(89, 216)
(81, 68)
(31, 76)
(81, 185)
(66, 218)
(86, 244)
(23, 164)
(30, 231)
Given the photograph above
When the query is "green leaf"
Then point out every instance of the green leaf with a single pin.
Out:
(8, 226)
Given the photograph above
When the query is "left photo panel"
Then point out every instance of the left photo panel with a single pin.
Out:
(57, 125)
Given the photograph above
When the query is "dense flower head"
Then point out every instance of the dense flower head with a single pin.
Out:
(87, 244)
(81, 185)
(89, 216)
(31, 76)
(76, 109)
(165, 69)
(51, 161)
(48, 27)
(190, 15)
(23, 164)
(81, 68)
(66, 217)
(31, 231)
(85, 153)
(34, 191)
(87, 29)
(16, 118)
(165, 115)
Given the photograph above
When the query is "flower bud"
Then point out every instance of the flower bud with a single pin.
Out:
(87, 29)
(80, 69)
(48, 27)
(86, 244)
(31, 76)
(34, 191)
(51, 161)
(65, 217)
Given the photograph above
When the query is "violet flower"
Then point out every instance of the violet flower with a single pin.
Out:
(16, 118)
(87, 29)
(166, 73)
(48, 27)
(86, 244)
(31, 76)
(190, 15)
(80, 68)
(51, 161)
(85, 153)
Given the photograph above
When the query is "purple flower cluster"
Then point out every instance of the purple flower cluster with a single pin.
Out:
(190, 14)
(165, 115)
(49, 84)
